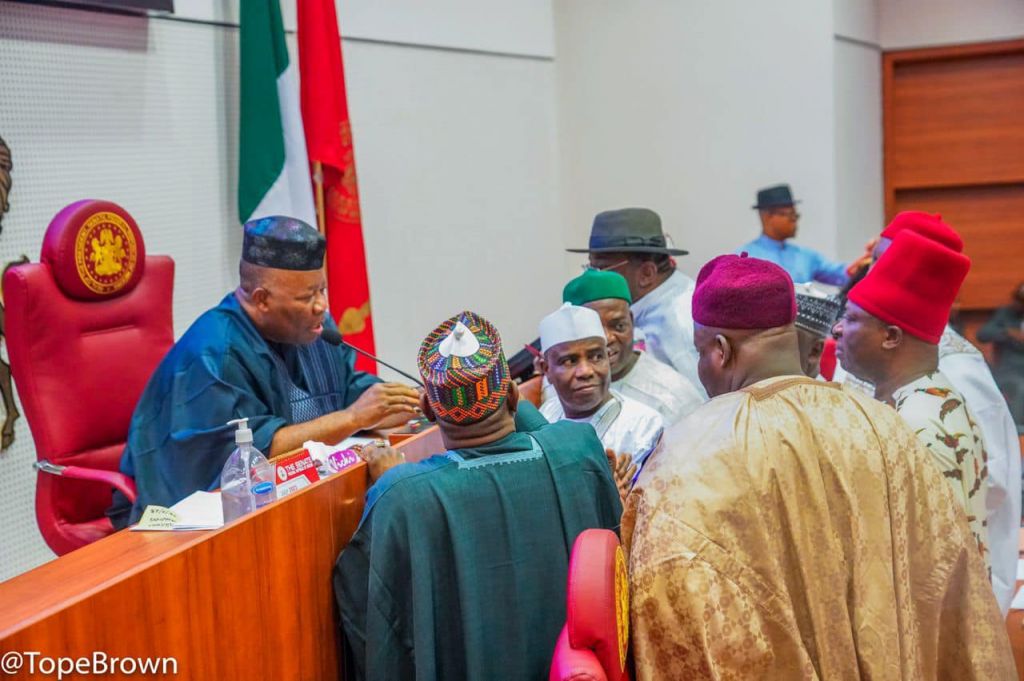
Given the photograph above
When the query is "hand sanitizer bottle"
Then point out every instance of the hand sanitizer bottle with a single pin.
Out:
(247, 481)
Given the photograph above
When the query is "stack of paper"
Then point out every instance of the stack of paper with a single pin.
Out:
(1018, 600)
(200, 511)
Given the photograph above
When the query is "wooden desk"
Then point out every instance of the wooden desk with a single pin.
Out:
(252, 600)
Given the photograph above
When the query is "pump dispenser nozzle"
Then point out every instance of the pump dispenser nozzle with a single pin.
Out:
(243, 436)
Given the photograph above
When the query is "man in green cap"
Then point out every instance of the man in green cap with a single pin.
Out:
(634, 373)
(459, 566)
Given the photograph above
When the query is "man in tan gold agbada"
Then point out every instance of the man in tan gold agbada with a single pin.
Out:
(790, 530)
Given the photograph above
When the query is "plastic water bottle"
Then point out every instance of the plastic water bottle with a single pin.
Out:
(247, 480)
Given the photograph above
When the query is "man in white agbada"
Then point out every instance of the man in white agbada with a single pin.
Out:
(630, 241)
(965, 368)
(816, 314)
(634, 373)
(576, 363)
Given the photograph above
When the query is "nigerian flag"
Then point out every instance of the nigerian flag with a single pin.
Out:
(273, 171)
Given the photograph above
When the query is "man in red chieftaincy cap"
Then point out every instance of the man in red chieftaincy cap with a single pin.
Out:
(966, 369)
(763, 500)
(890, 334)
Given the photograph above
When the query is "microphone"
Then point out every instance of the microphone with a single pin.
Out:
(334, 338)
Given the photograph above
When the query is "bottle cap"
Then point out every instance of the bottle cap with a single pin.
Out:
(243, 436)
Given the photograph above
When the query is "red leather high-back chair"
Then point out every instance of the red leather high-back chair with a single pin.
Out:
(594, 642)
(85, 329)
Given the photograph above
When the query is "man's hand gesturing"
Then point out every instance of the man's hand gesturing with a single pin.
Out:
(383, 401)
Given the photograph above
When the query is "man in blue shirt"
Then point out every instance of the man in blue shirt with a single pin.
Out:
(778, 224)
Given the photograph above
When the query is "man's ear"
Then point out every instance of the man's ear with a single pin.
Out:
(259, 297)
(513, 397)
(541, 363)
(893, 338)
(648, 273)
(724, 350)
(816, 349)
(428, 411)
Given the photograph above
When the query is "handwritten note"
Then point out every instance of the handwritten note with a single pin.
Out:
(198, 511)
(157, 518)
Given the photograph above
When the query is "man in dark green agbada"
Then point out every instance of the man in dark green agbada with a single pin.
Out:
(458, 568)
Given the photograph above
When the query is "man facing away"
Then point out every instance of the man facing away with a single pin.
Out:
(575, 362)
(631, 242)
(777, 209)
(259, 355)
(458, 568)
(788, 529)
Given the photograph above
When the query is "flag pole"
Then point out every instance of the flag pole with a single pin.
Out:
(321, 216)
(318, 182)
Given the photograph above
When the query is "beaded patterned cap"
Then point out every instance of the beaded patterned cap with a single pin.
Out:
(464, 369)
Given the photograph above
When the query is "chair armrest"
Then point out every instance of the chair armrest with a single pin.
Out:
(570, 664)
(115, 479)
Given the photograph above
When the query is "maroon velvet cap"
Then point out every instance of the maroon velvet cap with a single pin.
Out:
(739, 292)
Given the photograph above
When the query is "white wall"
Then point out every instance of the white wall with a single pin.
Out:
(922, 23)
(689, 108)
(523, 27)
(457, 182)
(857, 87)
(856, 19)
(455, 151)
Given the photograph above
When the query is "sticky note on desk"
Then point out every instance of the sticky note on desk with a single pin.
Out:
(157, 518)
(198, 511)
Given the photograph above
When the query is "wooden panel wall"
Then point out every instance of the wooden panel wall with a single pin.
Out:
(954, 144)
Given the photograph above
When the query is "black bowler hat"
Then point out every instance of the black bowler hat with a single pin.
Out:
(629, 230)
(774, 197)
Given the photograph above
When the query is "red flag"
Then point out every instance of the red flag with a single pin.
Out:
(329, 142)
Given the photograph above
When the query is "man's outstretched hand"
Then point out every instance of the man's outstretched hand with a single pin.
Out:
(390, 402)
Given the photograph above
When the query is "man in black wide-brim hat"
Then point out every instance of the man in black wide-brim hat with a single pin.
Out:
(777, 210)
(630, 241)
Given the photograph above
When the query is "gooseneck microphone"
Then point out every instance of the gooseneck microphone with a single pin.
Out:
(334, 338)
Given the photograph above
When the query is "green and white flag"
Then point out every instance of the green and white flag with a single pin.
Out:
(273, 170)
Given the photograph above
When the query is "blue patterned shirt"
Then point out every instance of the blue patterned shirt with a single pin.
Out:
(803, 264)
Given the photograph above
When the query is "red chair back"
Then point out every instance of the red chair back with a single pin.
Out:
(85, 329)
(594, 643)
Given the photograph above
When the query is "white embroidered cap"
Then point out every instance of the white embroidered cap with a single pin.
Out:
(569, 323)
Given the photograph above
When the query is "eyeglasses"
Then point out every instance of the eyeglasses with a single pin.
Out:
(791, 214)
(589, 266)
